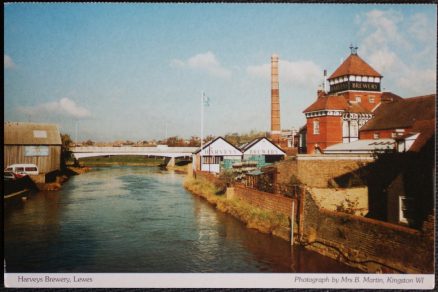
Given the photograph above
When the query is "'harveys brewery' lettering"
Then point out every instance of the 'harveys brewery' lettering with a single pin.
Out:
(211, 151)
(369, 86)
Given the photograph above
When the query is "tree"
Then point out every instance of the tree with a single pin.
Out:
(88, 143)
(194, 141)
(208, 139)
(238, 139)
(66, 142)
(174, 141)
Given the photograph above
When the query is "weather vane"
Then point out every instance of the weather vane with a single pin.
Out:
(353, 49)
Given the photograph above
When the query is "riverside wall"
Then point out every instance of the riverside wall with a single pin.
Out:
(370, 245)
(272, 202)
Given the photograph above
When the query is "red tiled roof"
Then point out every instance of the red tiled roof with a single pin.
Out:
(402, 113)
(388, 96)
(357, 108)
(354, 65)
(335, 102)
(426, 129)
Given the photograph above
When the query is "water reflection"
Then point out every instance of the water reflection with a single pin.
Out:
(136, 219)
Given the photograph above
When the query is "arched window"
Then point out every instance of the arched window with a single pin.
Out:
(316, 127)
(345, 129)
(354, 129)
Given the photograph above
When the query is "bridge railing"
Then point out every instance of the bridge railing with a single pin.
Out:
(130, 149)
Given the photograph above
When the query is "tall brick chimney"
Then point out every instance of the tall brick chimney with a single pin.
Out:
(275, 101)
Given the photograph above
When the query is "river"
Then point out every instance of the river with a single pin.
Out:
(141, 220)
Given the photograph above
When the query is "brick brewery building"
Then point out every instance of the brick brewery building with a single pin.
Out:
(336, 116)
(355, 108)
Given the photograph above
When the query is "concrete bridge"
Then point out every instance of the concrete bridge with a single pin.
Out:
(169, 153)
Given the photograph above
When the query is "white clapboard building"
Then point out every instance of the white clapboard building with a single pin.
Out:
(263, 151)
(215, 155)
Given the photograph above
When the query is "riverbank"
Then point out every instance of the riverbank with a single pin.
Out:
(61, 178)
(265, 221)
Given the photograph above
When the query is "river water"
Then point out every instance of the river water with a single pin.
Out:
(140, 220)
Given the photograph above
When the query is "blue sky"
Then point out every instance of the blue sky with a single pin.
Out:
(125, 71)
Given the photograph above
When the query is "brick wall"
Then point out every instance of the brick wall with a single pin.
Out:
(371, 245)
(363, 135)
(330, 132)
(316, 172)
(267, 201)
(365, 98)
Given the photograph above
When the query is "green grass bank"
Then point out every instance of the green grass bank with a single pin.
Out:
(264, 221)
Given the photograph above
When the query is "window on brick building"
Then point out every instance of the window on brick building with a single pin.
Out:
(354, 129)
(358, 98)
(376, 135)
(371, 99)
(402, 209)
(345, 129)
(316, 127)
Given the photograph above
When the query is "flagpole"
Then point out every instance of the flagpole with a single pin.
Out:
(202, 125)
(76, 132)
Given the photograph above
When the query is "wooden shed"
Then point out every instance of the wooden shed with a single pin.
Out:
(34, 143)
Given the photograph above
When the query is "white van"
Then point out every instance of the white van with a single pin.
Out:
(31, 169)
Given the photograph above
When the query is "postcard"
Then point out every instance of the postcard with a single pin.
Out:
(188, 145)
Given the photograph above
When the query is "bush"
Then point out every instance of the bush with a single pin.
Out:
(349, 206)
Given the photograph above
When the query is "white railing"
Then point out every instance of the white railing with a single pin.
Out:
(131, 149)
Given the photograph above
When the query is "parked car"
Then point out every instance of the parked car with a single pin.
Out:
(9, 175)
(23, 169)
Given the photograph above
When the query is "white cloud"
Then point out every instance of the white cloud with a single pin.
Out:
(418, 81)
(381, 28)
(63, 107)
(400, 49)
(383, 60)
(260, 71)
(296, 73)
(8, 62)
(205, 62)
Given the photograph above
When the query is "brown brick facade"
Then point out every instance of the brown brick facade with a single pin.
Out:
(330, 132)
(382, 134)
(369, 100)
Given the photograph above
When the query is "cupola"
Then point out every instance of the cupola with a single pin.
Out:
(354, 74)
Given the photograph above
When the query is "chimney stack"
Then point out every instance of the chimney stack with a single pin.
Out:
(275, 101)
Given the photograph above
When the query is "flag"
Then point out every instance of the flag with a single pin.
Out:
(206, 100)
